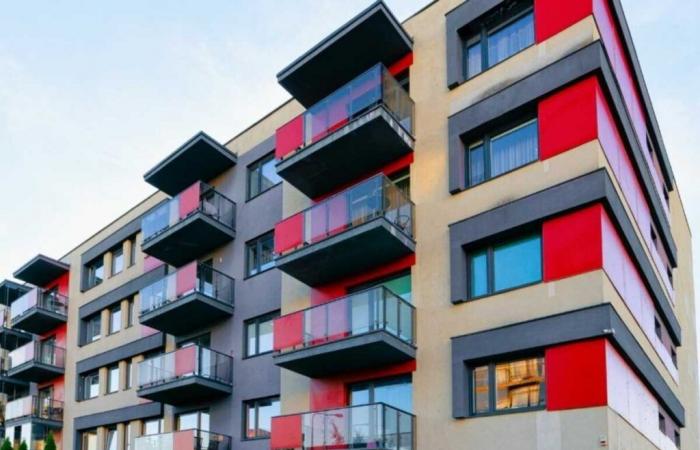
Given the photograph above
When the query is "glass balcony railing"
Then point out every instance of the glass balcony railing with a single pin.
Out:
(192, 278)
(50, 301)
(368, 200)
(375, 309)
(191, 361)
(38, 352)
(374, 87)
(198, 198)
(184, 440)
(35, 407)
(375, 426)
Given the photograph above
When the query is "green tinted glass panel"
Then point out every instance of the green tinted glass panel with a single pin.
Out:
(517, 263)
(478, 280)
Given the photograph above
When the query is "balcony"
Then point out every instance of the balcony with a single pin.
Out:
(39, 311)
(199, 159)
(41, 270)
(375, 426)
(9, 386)
(44, 411)
(372, 328)
(37, 362)
(358, 129)
(363, 227)
(195, 296)
(189, 374)
(372, 36)
(11, 338)
(184, 440)
(191, 224)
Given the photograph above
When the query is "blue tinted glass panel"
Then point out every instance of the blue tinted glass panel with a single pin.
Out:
(477, 168)
(478, 279)
(517, 263)
(396, 394)
(473, 60)
(514, 148)
(511, 39)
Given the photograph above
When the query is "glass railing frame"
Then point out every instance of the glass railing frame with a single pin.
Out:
(199, 289)
(199, 368)
(55, 407)
(383, 76)
(382, 325)
(204, 189)
(43, 297)
(197, 437)
(57, 355)
(384, 407)
(382, 212)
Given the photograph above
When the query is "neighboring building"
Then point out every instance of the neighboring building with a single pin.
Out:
(478, 243)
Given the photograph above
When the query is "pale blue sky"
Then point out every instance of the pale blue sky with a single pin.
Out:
(92, 94)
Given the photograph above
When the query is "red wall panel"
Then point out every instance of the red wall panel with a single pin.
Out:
(572, 243)
(576, 375)
(551, 17)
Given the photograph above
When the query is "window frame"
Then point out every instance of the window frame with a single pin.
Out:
(491, 375)
(128, 375)
(258, 250)
(85, 388)
(479, 31)
(257, 166)
(132, 251)
(110, 373)
(256, 403)
(112, 312)
(90, 325)
(490, 270)
(92, 268)
(116, 252)
(257, 321)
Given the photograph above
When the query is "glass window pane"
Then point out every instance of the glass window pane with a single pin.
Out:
(517, 263)
(359, 395)
(473, 59)
(187, 421)
(265, 337)
(117, 261)
(269, 175)
(520, 384)
(511, 39)
(89, 440)
(266, 411)
(252, 339)
(115, 320)
(481, 389)
(267, 252)
(251, 262)
(113, 380)
(477, 166)
(254, 181)
(250, 420)
(478, 276)
(400, 286)
(397, 393)
(514, 148)
(111, 443)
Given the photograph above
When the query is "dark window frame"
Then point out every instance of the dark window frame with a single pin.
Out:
(86, 378)
(256, 403)
(109, 379)
(90, 325)
(257, 321)
(115, 309)
(91, 269)
(118, 250)
(257, 242)
(257, 166)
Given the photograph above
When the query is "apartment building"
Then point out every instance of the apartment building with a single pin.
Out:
(462, 231)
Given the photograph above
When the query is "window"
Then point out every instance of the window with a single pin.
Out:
(662, 423)
(95, 272)
(129, 438)
(194, 420)
(259, 335)
(93, 328)
(499, 36)
(504, 266)
(112, 379)
(497, 154)
(258, 417)
(132, 251)
(260, 253)
(111, 439)
(402, 180)
(128, 375)
(262, 175)
(90, 385)
(398, 284)
(396, 392)
(117, 260)
(154, 426)
(508, 386)
(115, 319)
(130, 313)
(88, 440)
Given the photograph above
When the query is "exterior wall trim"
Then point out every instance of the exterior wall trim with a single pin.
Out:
(119, 415)
(587, 323)
(593, 187)
(138, 347)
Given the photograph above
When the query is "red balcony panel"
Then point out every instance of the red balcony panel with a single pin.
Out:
(551, 18)
(286, 432)
(562, 237)
(289, 233)
(186, 279)
(401, 64)
(289, 137)
(189, 200)
(576, 375)
(288, 331)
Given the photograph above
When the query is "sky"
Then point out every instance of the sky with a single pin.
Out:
(93, 94)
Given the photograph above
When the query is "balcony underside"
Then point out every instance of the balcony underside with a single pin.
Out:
(376, 349)
(38, 321)
(41, 270)
(35, 372)
(53, 424)
(13, 386)
(372, 36)
(11, 338)
(356, 250)
(363, 146)
(186, 390)
(188, 239)
(199, 159)
(189, 313)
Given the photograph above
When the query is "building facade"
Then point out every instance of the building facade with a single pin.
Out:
(462, 231)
